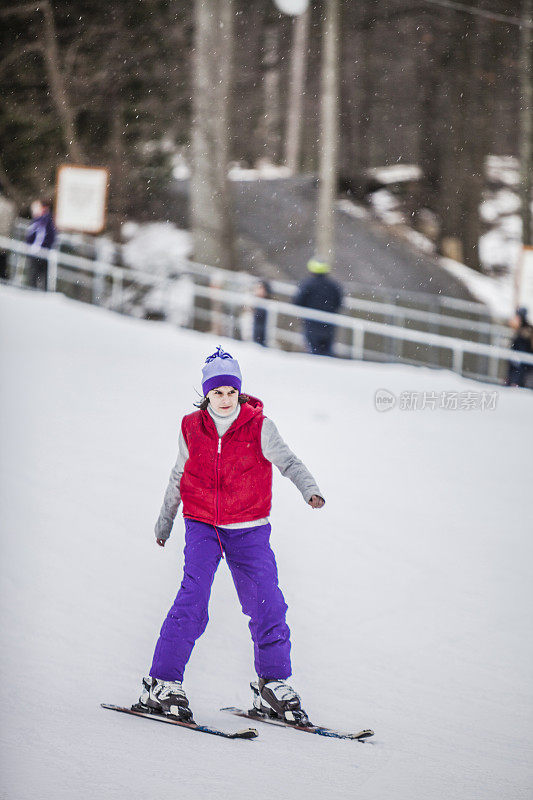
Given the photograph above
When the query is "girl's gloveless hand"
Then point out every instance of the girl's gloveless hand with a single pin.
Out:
(316, 501)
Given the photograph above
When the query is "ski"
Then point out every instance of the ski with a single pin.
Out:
(247, 733)
(318, 729)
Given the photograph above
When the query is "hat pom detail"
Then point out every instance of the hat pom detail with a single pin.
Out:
(219, 353)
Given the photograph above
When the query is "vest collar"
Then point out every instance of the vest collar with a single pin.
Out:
(248, 411)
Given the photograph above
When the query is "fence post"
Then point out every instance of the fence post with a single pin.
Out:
(165, 286)
(116, 290)
(51, 276)
(271, 328)
(98, 285)
(400, 322)
(358, 344)
(20, 268)
(216, 322)
(494, 361)
(457, 363)
(191, 323)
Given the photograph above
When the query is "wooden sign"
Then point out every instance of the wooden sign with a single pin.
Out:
(81, 198)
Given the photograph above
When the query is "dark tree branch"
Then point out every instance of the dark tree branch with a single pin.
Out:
(54, 72)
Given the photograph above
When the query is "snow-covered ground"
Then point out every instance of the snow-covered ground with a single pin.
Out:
(410, 593)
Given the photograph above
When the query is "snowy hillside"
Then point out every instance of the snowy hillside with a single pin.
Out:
(410, 593)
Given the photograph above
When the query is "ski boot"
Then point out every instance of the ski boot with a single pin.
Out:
(277, 700)
(164, 697)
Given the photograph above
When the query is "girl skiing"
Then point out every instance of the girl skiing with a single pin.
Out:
(223, 476)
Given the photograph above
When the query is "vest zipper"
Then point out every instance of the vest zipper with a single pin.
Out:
(219, 450)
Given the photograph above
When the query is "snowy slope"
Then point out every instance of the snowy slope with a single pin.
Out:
(410, 596)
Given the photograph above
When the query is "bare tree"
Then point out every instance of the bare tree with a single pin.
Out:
(526, 119)
(48, 47)
(296, 91)
(210, 198)
(329, 100)
(269, 132)
(474, 138)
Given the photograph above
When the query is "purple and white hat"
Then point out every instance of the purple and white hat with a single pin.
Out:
(220, 369)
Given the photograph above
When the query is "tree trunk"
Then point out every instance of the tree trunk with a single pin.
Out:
(474, 140)
(428, 69)
(118, 180)
(449, 178)
(269, 132)
(526, 120)
(329, 103)
(463, 139)
(57, 85)
(296, 91)
(210, 197)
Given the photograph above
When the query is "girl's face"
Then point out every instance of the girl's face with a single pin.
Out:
(223, 399)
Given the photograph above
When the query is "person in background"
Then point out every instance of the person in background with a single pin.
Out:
(41, 233)
(321, 292)
(522, 341)
(262, 289)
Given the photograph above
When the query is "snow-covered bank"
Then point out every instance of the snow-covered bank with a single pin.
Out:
(410, 598)
(499, 244)
(496, 292)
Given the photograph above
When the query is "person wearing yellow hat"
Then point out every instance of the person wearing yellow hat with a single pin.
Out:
(318, 267)
(321, 292)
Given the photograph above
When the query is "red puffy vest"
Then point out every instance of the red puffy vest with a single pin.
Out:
(226, 479)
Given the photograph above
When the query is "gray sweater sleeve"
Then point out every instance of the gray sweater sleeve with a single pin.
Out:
(172, 499)
(276, 450)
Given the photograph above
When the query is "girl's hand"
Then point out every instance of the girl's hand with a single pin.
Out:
(316, 501)
(161, 542)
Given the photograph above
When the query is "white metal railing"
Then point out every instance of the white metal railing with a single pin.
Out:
(410, 299)
(402, 313)
(458, 347)
(397, 312)
(434, 301)
(397, 306)
(64, 266)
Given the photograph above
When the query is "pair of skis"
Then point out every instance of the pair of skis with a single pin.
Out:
(246, 733)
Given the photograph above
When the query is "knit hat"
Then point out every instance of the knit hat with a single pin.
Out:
(318, 267)
(220, 369)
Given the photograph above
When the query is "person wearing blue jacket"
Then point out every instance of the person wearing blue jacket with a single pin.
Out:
(321, 292)
(41, 233)
(519, 374)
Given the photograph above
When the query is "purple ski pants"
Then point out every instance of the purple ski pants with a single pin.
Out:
(255, 575)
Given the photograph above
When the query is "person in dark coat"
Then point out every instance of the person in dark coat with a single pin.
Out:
(518, 374)
(41, 233)
(321, 292)
(262, 290)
